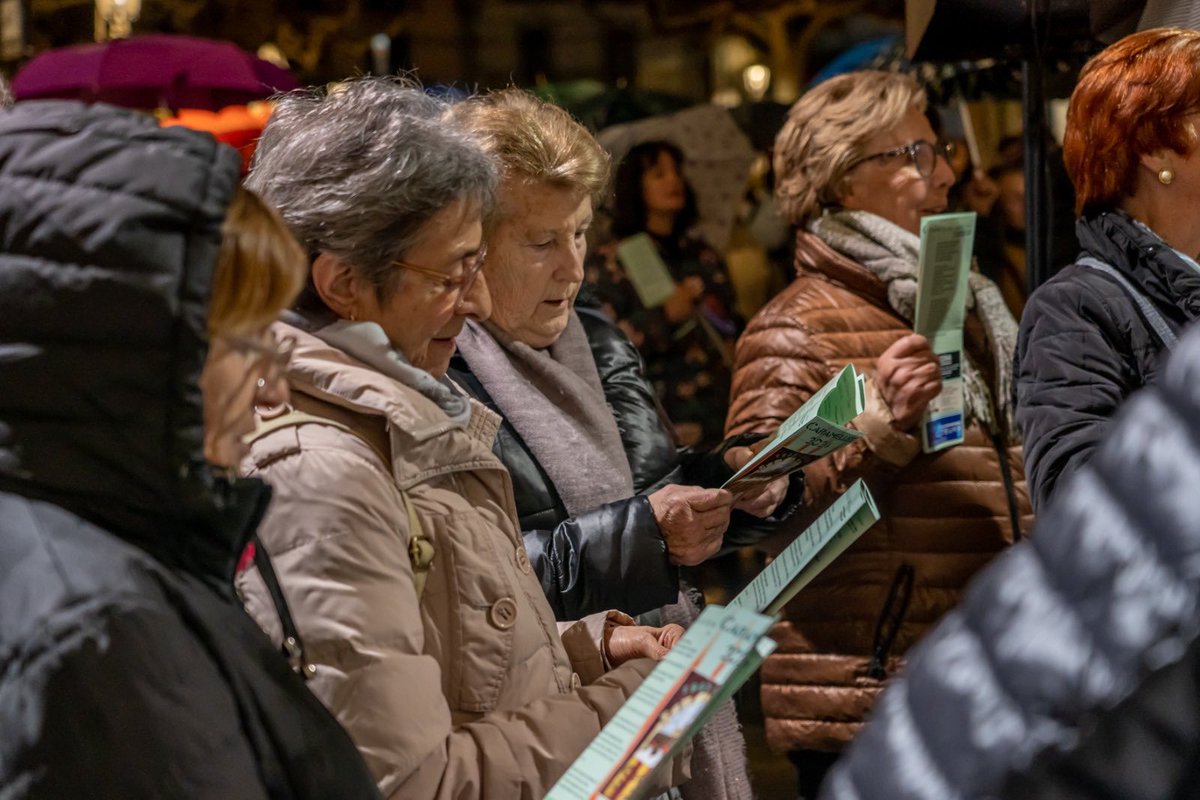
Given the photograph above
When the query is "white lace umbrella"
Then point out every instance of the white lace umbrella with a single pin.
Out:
(717, 159)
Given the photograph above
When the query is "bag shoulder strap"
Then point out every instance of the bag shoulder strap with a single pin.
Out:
(420, 546)
(1149, 313)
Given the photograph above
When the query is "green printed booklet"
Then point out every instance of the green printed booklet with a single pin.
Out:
(645, 269)
(942, 271)
(812, 551)
(721, 649)
(816, 429)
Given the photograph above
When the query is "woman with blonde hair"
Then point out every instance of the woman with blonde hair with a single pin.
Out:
(858, 166)
(609, 508)
(139, 282)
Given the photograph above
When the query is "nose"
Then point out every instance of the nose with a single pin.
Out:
(477, 304)
(570, 265)
(943, 175)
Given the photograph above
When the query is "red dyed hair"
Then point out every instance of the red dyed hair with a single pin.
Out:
(1130, 101)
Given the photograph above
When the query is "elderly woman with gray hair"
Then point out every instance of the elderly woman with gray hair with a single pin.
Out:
(858, 166)
(391, 528)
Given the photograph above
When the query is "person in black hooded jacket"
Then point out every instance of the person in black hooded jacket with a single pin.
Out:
(1094, 333)
(136, 284)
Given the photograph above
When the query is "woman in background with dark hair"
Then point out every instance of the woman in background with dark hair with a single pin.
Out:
(687, 340)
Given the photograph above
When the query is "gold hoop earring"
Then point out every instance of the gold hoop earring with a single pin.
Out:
(1165, 176)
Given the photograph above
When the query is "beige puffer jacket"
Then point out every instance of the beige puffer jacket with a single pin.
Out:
(468, 693)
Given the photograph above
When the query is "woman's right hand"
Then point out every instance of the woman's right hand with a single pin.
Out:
(908, 377)
(626, 642)
(682, 304)
(692, 521)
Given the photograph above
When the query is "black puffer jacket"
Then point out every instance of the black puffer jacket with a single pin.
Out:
(1093, 610)
(1084, 347)
(613, 556)
(127, 666)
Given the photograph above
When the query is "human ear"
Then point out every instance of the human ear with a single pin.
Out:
(338, 284)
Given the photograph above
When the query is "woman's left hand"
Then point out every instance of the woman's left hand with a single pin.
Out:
(762, 503)
(626, 642)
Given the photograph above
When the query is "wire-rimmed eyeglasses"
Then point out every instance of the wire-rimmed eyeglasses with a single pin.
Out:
(922, 153)
(459, 282)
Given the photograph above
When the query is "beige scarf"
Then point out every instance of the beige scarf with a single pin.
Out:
(890, 253)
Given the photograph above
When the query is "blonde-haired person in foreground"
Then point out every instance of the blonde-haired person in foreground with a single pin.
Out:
(392, 528)
(138, 286)
(858, 167)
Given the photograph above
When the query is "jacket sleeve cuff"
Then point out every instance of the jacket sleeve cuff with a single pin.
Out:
(886, 441)
(584, 641)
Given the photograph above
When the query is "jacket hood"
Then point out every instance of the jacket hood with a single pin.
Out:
(109, 234)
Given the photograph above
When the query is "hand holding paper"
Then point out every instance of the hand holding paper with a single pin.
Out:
(908, 377)
(816, 429)
(692, 521)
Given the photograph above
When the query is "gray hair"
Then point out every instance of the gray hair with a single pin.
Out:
(6, 95)
(358, 171)
(828, 129)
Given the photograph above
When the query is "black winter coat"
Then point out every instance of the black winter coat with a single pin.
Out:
(1084, 346)
(127, 666)
(1076, 650)
(613, 556)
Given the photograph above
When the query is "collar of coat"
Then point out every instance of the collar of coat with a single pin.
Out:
(1168, 280)
(425, 440)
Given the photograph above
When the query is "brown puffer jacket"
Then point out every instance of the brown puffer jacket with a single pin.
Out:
(944, 515)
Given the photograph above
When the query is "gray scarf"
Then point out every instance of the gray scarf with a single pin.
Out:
(890, 253)
(554, 401)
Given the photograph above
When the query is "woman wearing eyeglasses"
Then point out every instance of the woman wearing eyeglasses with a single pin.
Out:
(392, 529)
(858, 167)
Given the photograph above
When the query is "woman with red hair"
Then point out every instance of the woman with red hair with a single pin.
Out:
(1094, 333)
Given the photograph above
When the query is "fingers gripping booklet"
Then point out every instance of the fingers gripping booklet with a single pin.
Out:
(816, 429)
(721, 649)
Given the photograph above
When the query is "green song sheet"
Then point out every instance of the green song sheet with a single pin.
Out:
(816, 429)
(812, 551)
(645, 269)
(942, 271)
(721, 649)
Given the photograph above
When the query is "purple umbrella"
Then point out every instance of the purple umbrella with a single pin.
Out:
(153, 71)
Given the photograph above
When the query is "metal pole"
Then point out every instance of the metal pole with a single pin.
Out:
(1037, 198)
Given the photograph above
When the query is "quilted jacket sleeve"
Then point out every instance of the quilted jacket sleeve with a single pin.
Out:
(345, 570)
(779, 364)
(1060, 630)
(1071, 376)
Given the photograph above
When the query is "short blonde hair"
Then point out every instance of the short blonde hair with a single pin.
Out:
(828, 129)
(260, 268)
(533, 139)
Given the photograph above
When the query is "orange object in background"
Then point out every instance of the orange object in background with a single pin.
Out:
(237, 126)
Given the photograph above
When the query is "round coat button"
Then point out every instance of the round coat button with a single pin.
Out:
(523, 561)
(503, 613)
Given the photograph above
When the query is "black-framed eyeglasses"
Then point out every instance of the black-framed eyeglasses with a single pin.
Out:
(923, 155)
(459, 282)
